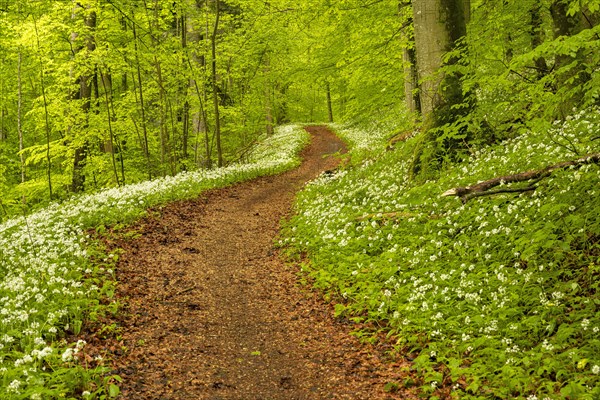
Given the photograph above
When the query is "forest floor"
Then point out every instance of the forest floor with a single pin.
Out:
(210, 310)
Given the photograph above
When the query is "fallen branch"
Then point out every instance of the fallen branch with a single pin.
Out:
(483, 188)
(395, 215)
(400, 137)
(388, 215)
(189, 289)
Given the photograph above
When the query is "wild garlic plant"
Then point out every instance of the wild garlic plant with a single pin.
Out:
(502, 290)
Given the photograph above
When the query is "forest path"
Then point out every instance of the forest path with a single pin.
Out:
(211, 312)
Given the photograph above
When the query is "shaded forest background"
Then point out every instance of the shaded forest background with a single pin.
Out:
(101, 93)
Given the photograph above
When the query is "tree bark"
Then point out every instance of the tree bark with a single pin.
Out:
(19, 114)
(46, 114)
(142, 106)
(568, 25)
(164, 133)
(85, 95)
(107, 85)
(215, 86)
(438, 24)
(185, 112)
(268, 91)
(411, 84)
(199, 123)
(329, 104)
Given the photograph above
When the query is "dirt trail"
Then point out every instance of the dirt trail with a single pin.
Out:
(212, 312)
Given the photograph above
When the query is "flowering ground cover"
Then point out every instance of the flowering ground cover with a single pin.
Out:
(53, 279)
(495, 298)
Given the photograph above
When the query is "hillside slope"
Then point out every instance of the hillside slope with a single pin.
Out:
(495, 298)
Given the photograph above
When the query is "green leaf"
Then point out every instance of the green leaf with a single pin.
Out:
(391, 387)
(113, 390)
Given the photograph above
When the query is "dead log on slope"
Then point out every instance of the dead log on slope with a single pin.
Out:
(483, 188)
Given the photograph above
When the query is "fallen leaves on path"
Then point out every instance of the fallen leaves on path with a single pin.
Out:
(212, 312)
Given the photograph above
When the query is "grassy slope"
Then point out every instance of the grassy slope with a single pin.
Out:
(497, 298)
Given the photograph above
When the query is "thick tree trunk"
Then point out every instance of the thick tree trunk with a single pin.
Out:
(438, 24)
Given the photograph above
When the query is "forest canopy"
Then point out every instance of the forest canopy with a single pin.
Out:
(100, 93)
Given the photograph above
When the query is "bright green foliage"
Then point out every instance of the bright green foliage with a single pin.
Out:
(150, 110)
(357, 49)
(502, 290)
(521, 70)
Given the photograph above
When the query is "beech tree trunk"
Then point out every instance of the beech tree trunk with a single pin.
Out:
(199, 123)
(329, 104)
(411, 81)
(268, 91)
(19, 114)
(568, 25)
(85, 94)
(215, 86)
(109, 144)
(142, 106)
(438, 25)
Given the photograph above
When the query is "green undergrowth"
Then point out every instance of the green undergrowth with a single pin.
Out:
(493, 299)
(55, 280)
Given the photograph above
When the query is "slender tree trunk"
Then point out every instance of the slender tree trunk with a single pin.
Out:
(537, 37)
(47, 118)
(3, 113)
(329, 104)
(142, 106)
(208, 145)
(185, 114)
(85, 94)
(198, 118)
(164, 151)
(19, 114)
(214, 85)
(111, 140)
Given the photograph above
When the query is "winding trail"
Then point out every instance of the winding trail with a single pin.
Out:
(211, 312)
